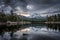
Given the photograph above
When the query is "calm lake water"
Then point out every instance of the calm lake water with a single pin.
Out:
(30, 32)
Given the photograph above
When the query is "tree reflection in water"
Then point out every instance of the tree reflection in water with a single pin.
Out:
(54, 26)
(13, 32)
(6, 32)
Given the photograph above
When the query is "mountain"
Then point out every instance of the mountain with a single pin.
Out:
(36, 18)
(25, 18)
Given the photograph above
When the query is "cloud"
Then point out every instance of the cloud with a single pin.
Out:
(7, 10)
(40, 6)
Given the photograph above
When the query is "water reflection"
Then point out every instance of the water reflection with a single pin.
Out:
(55, 27)
(30, 32)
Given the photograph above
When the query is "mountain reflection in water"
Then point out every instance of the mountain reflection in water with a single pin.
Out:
(30, 32)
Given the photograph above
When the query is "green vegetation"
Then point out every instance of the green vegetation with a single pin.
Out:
(54, 18)
(12, 17)
(2, 17)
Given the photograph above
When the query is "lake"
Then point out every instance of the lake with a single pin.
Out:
(30, 32)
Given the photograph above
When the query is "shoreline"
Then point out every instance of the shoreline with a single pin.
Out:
(20, 23)
(14, 23)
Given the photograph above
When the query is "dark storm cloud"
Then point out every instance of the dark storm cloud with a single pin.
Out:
(43, 3)
(39, 5)
(34, 2)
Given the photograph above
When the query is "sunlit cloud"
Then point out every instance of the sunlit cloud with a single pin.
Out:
(30, 7)
(26, 15)
(19, 11)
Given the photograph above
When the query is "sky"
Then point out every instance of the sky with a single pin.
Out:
(31, 7)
